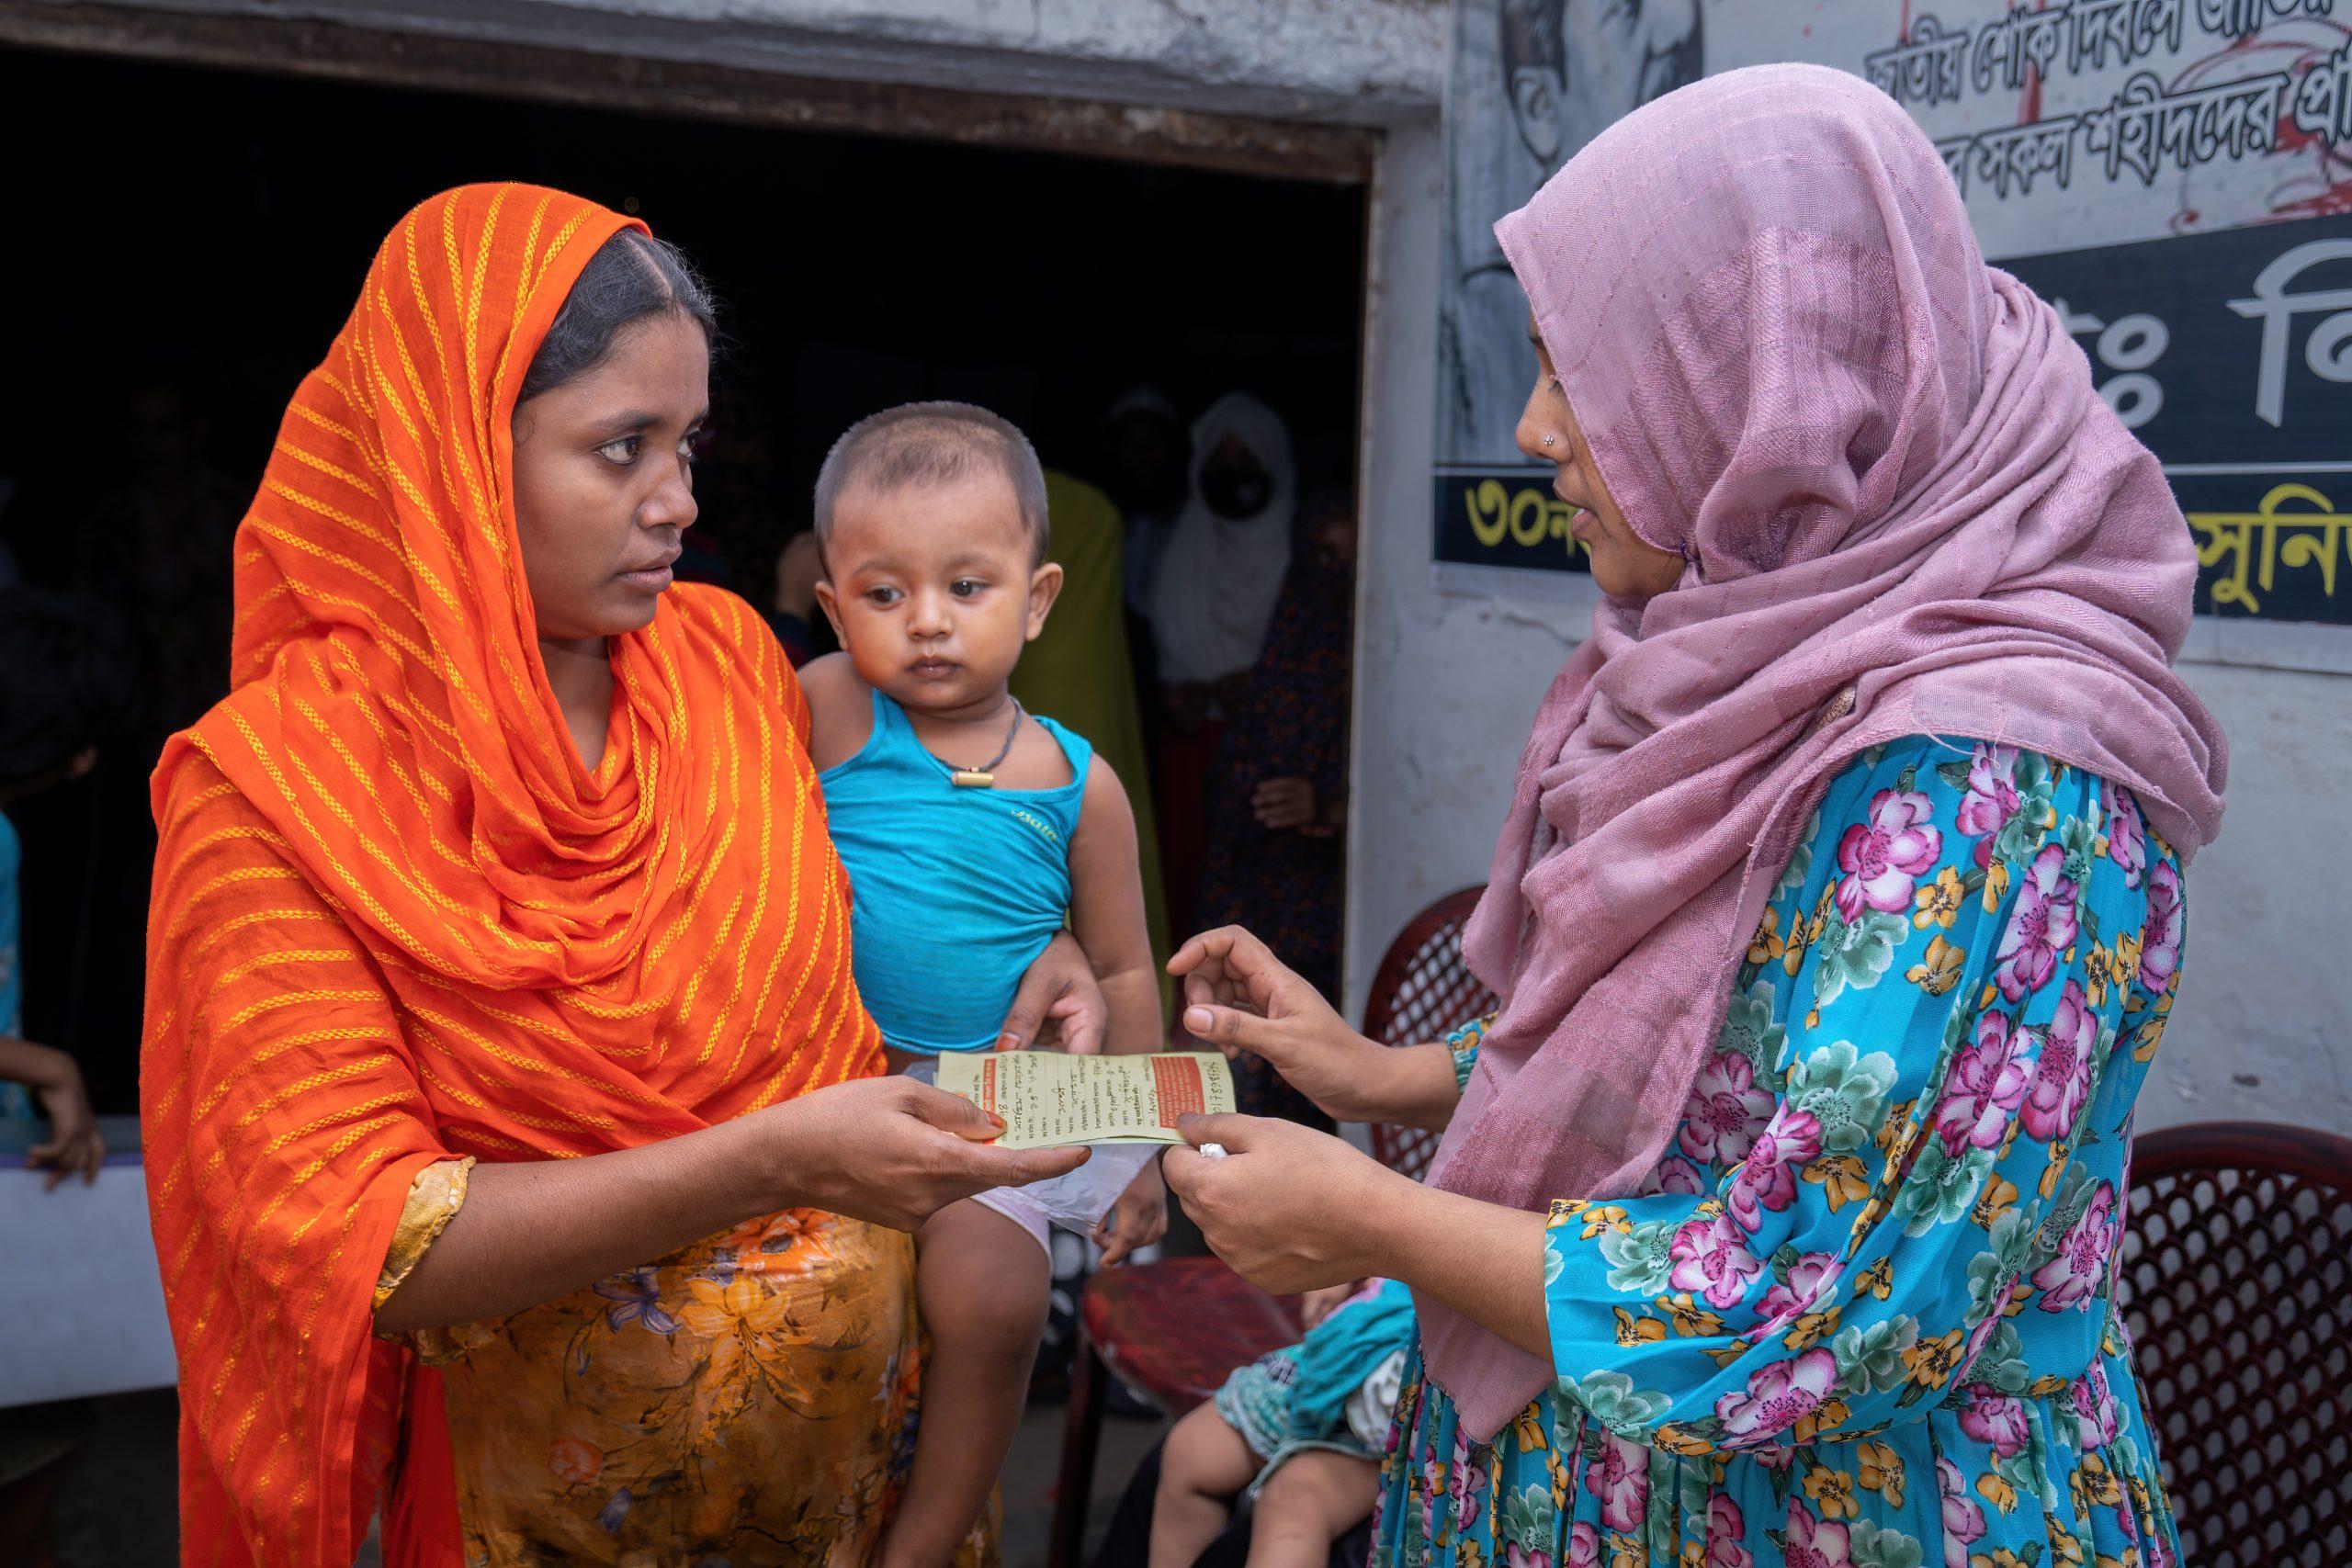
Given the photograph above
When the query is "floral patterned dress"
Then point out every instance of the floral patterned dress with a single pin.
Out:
(748, 1400)
(1863, 1312)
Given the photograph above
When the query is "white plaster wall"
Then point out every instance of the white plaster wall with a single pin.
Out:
(1444, 686)
(1366, 61)
(2262, 1029)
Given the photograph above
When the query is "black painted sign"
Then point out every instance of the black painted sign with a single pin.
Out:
(2229, 353)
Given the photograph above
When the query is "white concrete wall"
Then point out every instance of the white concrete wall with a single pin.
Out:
(1442, 684)
(2264, 1026)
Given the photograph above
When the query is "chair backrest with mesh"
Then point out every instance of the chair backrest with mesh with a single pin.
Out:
(1423, 991)
(2236, 1281)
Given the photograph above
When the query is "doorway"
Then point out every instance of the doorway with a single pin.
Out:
(188, 239)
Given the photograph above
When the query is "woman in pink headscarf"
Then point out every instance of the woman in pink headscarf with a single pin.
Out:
(1835, 920)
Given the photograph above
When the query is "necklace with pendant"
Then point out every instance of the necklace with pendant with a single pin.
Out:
(983, 776)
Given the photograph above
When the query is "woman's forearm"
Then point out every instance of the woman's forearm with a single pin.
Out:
(532, 1231)
(1482, 1260)
(1409, 1086)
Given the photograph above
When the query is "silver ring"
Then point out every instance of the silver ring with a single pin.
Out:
(1212, 1151)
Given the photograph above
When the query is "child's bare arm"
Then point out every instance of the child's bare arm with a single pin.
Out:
(35, 1066)
(74, 1146)
(1106, 915)
(840, 709)
(1106, 911)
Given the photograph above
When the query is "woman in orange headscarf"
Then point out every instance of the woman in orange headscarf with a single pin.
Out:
(505, 851)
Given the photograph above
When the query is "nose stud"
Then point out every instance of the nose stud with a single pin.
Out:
(1548, 442)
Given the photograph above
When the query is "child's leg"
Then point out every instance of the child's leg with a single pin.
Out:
(1201, 1466)
(1313, 1500)
(981, 1282)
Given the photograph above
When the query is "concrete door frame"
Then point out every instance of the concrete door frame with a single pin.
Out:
(674, 88)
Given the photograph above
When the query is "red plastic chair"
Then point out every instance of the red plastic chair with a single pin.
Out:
(1423, 991)
(2236, 1282)
(1172, 1330)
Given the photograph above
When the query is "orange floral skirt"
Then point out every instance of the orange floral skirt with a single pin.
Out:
(750, 1400)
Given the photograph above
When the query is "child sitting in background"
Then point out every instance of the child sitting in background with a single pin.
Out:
(1302, 1427)
(969, 830)
(62, 687)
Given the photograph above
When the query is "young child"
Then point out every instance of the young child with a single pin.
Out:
(1302, 1427)
(969, 828)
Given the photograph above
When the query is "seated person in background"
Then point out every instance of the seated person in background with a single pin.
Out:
(1301, 1429)
(62, 688)
(968, 830)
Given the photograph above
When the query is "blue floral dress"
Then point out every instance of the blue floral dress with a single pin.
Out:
(1863, 1312)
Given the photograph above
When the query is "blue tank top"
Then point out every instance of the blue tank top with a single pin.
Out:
(953, 892)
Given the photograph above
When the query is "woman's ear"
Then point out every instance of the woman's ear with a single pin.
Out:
(1045, 587)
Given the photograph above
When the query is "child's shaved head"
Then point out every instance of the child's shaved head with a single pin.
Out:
(929, 444)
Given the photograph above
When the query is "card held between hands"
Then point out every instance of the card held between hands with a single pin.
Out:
(1048, 1099)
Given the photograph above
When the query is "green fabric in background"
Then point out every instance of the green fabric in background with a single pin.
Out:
(1079, 671)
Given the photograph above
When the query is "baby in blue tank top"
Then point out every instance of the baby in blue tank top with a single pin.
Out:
(971, 830)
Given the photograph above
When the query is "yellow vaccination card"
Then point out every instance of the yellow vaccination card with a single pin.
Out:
(1048, 1099)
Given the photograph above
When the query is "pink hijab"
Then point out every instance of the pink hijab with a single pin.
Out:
(1904, 511)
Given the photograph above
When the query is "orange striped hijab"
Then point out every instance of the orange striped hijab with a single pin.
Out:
(396, 920)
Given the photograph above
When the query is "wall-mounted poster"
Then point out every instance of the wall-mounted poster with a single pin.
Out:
(2175, 175)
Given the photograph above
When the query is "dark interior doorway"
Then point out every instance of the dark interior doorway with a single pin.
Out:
(185, 241)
